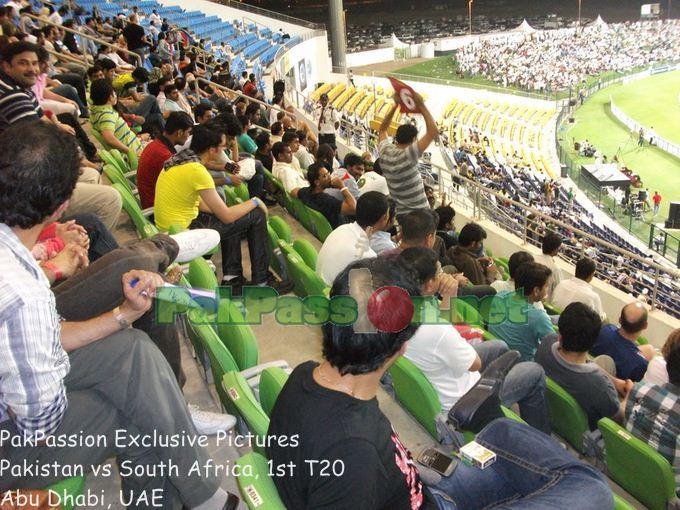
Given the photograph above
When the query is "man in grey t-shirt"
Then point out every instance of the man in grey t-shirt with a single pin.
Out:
(564, 358)
(399, 160)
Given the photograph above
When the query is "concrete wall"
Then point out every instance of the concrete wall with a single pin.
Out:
(310, 56)
(229, 14)
(364, 58)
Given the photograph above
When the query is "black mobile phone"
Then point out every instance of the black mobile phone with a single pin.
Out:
(230, 167)
(438, 461)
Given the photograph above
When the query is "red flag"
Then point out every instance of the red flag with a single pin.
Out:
(405, 96)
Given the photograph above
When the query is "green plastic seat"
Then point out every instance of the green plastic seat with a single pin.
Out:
(237, 336)
(307, 252)
(221, 360)
(230, 196)
(637, 467)
(201, 275)
(281, 228)
(115, 176)
(139, 218)
(248, 408)
(121, 160)
(320, 226)
(257, 488)
(98, 136)
(242, 191)
(276, 260)
(567, 417)
(301, 212)
(67, 490)
(306, 281)
(552, 309)
(132, 160)
(622, 504)
(416, 394)
(293, 273)
(641, 340)
(272, 381)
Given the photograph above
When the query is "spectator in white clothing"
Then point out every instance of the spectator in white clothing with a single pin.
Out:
(284, 170)
(578, 289)
(351, 241)
(551, 247)
(516, 259)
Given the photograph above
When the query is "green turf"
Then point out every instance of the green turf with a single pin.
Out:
(595, 122)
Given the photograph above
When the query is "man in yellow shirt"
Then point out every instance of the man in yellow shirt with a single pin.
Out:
(186, 196)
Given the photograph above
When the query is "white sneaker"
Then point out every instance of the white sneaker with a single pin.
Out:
(208, 423)
(194, 243)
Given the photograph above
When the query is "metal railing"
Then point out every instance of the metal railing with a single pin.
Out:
(638, 275)
(233, 94)
(242, 6)
(97, 40)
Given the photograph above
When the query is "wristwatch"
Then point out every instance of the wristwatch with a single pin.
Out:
(120, 318)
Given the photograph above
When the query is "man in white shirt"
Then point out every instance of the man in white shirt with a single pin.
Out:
(284, 170)
(372, 180)
(551, 247)
(578, 289)
(155, 18)
(328, 121)
(452, 365)
(349, 173)
(351, 241)
(516, 259)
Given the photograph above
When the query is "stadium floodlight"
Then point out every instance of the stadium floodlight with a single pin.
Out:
(470, 13)
(579, 13)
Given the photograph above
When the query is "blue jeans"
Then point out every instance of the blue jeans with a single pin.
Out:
(531, 472)
(524, 385)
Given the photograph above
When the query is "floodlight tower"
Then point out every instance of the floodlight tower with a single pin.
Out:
(338, 35)
(470, 14)
(579, 13)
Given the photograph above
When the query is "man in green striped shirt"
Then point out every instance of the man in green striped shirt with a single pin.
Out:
(106, 120)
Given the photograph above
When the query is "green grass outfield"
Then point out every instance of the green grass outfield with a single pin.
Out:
(653, 102)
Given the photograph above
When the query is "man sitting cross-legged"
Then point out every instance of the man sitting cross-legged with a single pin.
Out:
(113, 382)
(332, 411)
(453, 366)
(186, 196)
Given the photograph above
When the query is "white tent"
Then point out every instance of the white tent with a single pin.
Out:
(525, 28)
(396, 43)
(599, 22)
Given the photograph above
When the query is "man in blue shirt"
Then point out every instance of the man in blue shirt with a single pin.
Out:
(621, 343)
(514, 316)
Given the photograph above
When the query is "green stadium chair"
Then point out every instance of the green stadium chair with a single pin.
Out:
(307, 252)
(320, 226)
(636, 467)
(115, 176)
(139, 218)
(301, 212)
(201, 275)
(98, 136)
(276, 258)
(242, 191)
(257, 488)
(248, 408)
(622, 504)
(67, 490)
(293, 274)
(416, 394)
(642, 340)
(272, 381)
(567, 417)
(552, 309)
(230, 196)
(281, 228)
(306, 281)
(221, 360)
(133, 160)
(121, 160)
(239, 339)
